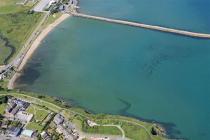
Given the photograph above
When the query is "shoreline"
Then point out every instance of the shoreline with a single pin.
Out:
(34, 46)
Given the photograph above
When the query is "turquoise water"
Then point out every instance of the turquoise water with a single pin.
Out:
(125, 70)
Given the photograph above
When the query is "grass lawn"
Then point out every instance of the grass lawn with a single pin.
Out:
(10, 6)
(3, 84)
(39, 113)
(2, 108)
(4, 51)
(133, 128)
(34, 126)
(52, 18)
(81, 124)
(135, 132)
(110, 130)
(16, 25)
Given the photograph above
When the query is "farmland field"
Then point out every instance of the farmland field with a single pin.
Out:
(16, 25)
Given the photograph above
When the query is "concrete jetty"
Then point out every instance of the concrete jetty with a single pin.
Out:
(146, 26)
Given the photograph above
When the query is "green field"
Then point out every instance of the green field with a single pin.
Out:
(39, 113)
(16, 25)
(110, 130)
(133, 129)
(10, 6)
(34, 126)
(2, 108)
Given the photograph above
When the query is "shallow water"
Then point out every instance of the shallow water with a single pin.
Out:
(125, 70)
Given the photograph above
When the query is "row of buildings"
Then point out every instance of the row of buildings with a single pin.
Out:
(16, 110)
(15, 119)
(45, 5)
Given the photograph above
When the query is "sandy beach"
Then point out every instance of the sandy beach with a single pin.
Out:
(34, 46)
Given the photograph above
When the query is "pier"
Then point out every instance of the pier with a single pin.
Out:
(145, 26)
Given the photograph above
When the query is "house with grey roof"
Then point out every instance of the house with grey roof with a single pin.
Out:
(14, 131)
(58, 119)
(15, 110)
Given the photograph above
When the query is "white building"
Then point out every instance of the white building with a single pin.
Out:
(91, 123)
(1, 77)
(27, 133)
(24, 116)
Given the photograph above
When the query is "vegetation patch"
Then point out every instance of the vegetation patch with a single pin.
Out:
(10, 6)
(6, 49)
(133, 128)
(16, 25)
(34, 126)
(135, 132)
(2, 108)
(110, 130)
(39, 113)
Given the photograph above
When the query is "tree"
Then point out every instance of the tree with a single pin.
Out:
(1, 88)
(3, 99)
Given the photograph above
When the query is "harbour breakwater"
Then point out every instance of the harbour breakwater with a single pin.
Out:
(146, 26)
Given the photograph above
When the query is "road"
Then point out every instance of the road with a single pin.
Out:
(117, 126)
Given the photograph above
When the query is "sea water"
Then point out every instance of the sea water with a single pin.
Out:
(117, 69)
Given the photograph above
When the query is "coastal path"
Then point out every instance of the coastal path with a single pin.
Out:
(145, 26)
(117, 126)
